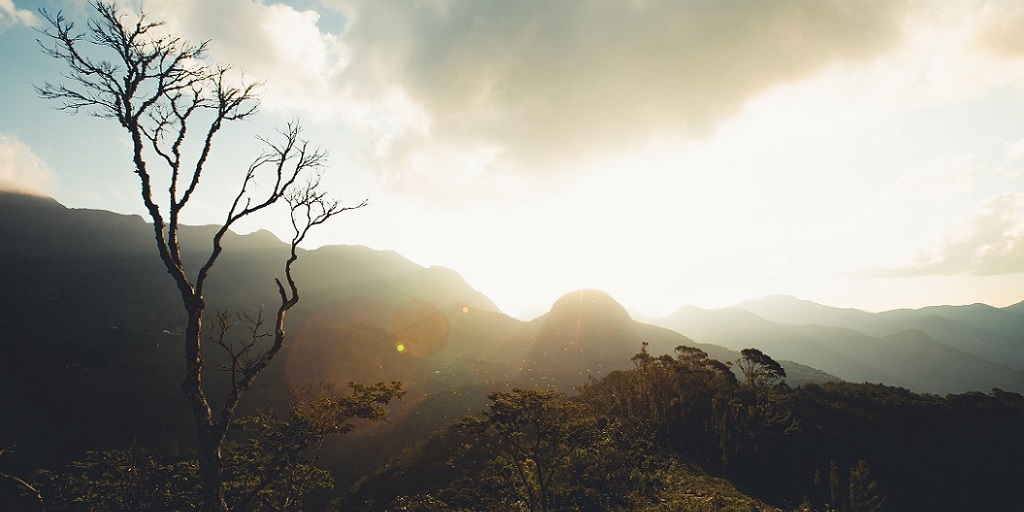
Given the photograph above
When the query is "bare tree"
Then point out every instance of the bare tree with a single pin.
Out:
(173, 103)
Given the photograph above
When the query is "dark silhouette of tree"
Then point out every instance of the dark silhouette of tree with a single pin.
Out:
(864, 494)
(759, 369)
(278, 465)
(695, 361)
(119, 480)
(811, 444)
(835, 486)
(535, 433)
(173, 103)
(275, 468)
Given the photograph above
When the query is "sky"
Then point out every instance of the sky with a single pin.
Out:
(857, 154)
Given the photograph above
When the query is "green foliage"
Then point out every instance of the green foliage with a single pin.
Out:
(672, 399)
(120, 480)
(923, 450)
(276, 466)
(538, 450)
(133, 480)
(273, 466)
(673, 433)
(759, 370)
(857, 491)
(534, 434)
(617, 446)
(646, 439)
(863, 490)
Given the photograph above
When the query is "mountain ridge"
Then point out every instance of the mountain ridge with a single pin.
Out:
(67, 261)
(994, 334)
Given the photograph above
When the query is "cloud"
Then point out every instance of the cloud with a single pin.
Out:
(963, 53)
(947, 179)
(540, 84)
(1013, 158)
(1014, 150)
(449, 97)
(989, 241)
(915, 210)
(11, 16)
(1000, 32)
(275, 43)
(20, 169)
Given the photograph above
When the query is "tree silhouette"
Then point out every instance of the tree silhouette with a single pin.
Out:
(759, 369)
(864, 494)
(535, 433)
(172, 103)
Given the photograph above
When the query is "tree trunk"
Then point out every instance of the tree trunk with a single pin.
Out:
(211, 466)
(211, 472)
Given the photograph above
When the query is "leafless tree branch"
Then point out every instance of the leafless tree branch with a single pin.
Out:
(22, 483)
(173, 103)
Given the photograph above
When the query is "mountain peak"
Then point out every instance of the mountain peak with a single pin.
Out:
(585, 329)
(589, 300)
(786, 309)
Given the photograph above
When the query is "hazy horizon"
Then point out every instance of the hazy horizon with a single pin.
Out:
(540, 308)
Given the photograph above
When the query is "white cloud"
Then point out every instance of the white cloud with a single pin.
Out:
(962, 53)
(11, 16)
(918, 206)
(1014, 151)
(989, 241)
(935, 185)
(547, 83)
(275, 43)
(545, 87)
(999, 31)
(20, 169)
(948, 53)
(1013, 158)
(460, 92)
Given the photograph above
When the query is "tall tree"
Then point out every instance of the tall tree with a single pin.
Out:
(759, 369)
(864, 494)
(172, 103)
(535, 434)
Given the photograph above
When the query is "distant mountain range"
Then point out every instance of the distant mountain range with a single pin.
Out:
(90, 328)
(899, 352)
(992, 333)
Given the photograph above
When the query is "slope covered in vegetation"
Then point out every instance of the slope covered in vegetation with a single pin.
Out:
(683, 433)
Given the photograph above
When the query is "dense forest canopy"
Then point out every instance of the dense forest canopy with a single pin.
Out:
(682, 432)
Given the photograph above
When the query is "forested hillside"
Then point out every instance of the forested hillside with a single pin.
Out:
(682, 433)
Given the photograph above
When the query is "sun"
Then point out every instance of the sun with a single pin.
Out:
(400, 347)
